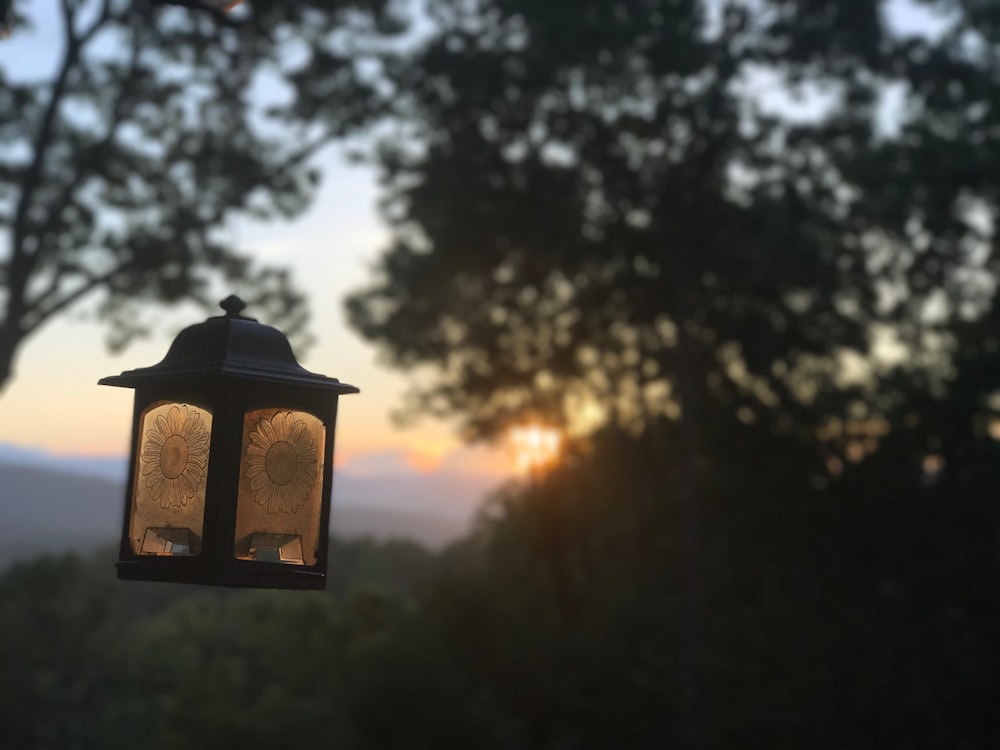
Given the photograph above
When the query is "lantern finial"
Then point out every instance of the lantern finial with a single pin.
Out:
(233, 306)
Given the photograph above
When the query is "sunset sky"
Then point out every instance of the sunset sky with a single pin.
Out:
(55, 404)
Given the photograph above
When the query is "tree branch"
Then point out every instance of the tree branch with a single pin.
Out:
(86, 166)
(39, 313)
(101, 19)
(69, 18)
(22, 261)
(220, 14)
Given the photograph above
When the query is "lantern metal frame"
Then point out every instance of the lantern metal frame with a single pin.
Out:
(229, 365)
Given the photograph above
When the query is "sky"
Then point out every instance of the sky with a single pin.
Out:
(54, 402)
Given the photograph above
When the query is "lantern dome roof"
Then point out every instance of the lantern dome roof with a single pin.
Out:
(231, 346)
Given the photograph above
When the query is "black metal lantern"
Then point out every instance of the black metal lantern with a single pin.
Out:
(232, 460)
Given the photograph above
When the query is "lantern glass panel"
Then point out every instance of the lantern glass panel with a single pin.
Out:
(281, 485)
(168, 499)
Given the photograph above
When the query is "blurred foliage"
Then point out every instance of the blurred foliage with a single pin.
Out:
(760, 237)
(91, 662)
(860, 612)
(131, 145)
(791, 199)
(854, 611)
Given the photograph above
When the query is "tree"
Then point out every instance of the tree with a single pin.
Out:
(763, 236)
(160, 122)
(58, 619)
(596, 197)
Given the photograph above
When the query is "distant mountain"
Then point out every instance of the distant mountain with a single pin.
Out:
(45, 511)
(113, 468)
(56, 504)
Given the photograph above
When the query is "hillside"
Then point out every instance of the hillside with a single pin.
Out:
(56, 509)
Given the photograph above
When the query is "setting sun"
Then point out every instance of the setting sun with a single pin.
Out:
(535, 447)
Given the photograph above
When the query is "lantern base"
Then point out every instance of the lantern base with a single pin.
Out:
(169, 541)
(240, 574)
(279, 548)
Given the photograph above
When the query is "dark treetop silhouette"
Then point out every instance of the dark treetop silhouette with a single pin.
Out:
(592, 192)
(761, 236)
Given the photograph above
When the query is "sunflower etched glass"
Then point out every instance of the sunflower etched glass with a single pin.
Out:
(168, 501)
(280, 487)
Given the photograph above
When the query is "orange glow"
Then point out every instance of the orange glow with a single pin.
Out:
(425, 463)
(535, 447)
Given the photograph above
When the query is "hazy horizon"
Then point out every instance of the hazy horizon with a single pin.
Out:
(53, 504)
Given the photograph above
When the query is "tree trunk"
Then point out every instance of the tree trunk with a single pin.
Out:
(689, 518)
(10, 340)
